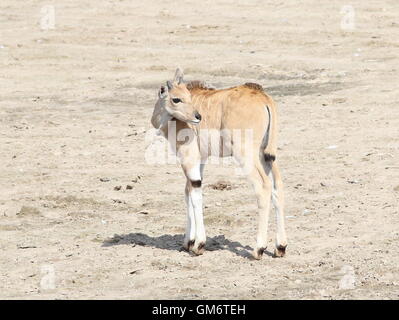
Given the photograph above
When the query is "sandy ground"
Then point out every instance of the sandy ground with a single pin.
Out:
(75, 106)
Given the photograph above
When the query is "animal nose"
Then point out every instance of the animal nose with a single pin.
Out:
(197, 116)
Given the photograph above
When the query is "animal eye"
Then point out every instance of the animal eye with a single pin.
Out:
(176, 100)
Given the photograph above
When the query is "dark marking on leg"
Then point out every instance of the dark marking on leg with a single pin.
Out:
(269, 157)
(196, 183)
(190, 244)
(199, 250)
(258, 253)
(280, 251)
(201, 246)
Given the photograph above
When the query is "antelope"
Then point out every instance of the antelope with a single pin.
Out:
(195, 109)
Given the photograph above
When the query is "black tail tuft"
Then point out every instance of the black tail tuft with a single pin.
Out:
(269, 157)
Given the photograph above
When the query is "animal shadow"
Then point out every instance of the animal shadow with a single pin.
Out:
(174, 243)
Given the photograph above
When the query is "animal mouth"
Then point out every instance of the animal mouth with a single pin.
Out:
(180, 116)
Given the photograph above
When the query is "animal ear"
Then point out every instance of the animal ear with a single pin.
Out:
(163, 92)
(178, 76)
(169, 84)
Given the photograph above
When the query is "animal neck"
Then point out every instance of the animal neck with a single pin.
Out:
(209, 105)
(201, 98)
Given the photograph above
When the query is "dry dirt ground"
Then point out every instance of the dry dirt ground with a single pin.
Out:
(75, 104)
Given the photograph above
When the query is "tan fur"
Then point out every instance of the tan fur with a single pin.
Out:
(227, 110)
(244, 110)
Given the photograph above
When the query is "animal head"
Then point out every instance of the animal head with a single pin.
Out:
(176, 99)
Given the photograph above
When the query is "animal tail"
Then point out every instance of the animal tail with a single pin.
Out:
(270, 146)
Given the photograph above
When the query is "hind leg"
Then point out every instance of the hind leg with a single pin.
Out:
(278, 203)
(262, 187)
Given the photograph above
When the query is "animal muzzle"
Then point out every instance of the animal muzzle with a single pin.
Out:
(197, 116)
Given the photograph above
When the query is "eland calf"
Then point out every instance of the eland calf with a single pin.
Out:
(198, 113)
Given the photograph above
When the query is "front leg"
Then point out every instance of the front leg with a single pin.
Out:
(189, 237)
(194, 192)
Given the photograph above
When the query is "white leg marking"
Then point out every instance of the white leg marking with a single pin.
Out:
(262, 188)
(195, 195)
(196, 198)
(278, 203)
(190, 227)
(263, 209)
(194, 174)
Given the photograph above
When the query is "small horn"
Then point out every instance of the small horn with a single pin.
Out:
(169, 85)
(178, 76)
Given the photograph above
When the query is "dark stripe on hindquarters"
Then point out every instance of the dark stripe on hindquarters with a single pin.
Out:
(269, 157)
(196, 183)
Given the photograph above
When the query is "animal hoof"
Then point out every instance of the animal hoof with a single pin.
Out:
(257, 254)
(200, 249)
(279, 252)
(188, 245)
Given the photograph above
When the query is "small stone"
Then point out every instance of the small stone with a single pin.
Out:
(21, 246)
(28, 211)
(331, 147)
(306, 212)
(135, 271)
(221, 185)
(117, 188)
